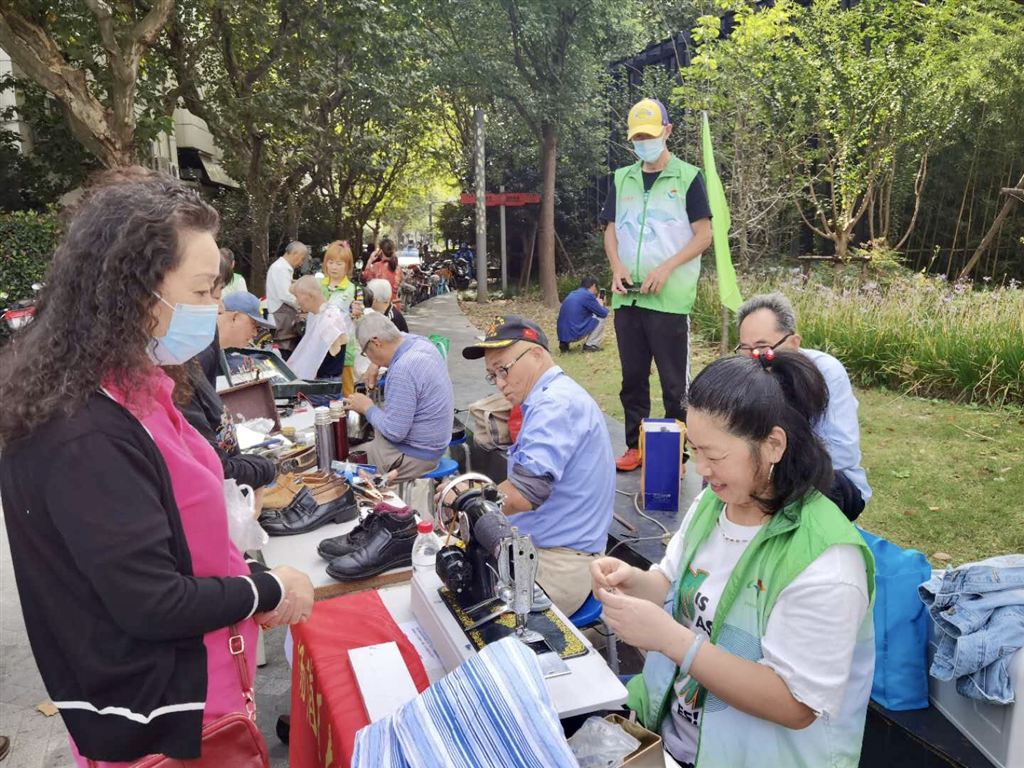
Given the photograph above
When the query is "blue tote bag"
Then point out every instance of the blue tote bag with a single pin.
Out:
(901, 625)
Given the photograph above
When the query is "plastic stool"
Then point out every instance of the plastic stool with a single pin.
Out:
(445, 468)
(589, 615)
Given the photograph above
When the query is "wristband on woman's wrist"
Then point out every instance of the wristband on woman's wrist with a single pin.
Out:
(691, 654)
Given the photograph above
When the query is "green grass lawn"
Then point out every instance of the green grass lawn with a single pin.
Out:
(946, 478)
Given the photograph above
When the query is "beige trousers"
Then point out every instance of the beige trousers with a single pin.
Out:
(565, 575)
(384, 456)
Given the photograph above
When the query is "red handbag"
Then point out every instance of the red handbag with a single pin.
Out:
(232, 740)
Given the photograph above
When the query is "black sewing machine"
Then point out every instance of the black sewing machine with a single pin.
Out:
(491, 569)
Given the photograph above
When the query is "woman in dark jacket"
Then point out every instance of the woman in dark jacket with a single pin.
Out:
(133, 594)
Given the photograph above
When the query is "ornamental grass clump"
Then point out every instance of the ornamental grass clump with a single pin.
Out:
(918, 334)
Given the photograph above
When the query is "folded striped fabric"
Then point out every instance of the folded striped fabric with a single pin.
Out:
(493, 710)
(377, 745)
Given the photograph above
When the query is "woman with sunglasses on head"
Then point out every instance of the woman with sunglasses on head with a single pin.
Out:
(757, 622)
(137, 604)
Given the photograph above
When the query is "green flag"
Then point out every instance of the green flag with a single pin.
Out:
(728, 290)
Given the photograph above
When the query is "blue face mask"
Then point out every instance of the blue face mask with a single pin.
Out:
(192, 329)
(649, 150)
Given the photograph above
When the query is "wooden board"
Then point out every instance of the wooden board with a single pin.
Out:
(346, 587)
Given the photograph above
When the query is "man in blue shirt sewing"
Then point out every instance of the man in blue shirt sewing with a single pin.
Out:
(561, 471)
(582, 316)
(768, 321)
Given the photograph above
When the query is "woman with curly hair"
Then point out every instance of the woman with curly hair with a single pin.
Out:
(135, 600)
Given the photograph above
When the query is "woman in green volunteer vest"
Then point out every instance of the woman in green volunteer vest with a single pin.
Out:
(757, 622)
(340, 292)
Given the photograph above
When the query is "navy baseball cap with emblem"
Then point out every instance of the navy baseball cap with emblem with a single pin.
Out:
(504, 332)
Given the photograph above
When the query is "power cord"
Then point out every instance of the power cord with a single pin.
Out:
(666, 534)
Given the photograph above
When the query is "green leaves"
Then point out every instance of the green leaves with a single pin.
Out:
(27, 242)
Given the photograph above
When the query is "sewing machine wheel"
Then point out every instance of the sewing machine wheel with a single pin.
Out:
(458, 490)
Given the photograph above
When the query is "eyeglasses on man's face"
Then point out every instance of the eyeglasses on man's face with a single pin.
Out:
(760, 349)
(501, 372)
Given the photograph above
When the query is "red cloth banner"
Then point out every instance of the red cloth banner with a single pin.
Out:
(327, 709)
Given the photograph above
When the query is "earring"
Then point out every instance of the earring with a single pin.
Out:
(771, 471)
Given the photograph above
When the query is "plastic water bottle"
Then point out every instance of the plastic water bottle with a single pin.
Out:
(425, 548)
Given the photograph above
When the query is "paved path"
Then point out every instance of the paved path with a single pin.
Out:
(41, 742)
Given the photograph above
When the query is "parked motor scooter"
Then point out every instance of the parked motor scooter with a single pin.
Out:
(20, 313)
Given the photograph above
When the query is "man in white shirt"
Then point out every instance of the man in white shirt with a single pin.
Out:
(327, 330)
(281, 303)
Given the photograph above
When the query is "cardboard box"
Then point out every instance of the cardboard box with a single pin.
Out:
(651, 753)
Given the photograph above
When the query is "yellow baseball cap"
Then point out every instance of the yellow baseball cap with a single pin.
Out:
(647, 116)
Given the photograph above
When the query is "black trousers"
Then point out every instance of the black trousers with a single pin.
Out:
(643, 335)
(845, 495)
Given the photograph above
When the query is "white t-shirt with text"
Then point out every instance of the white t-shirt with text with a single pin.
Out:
(811, 632)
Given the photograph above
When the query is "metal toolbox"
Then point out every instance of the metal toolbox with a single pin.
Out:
(241, 366)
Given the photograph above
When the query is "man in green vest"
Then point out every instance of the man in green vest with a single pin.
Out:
(657, 223)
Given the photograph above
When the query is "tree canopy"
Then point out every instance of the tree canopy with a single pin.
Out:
(882, 129)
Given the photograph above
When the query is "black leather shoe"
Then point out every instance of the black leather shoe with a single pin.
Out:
(305, 514)
(591, 349)
(387, 544)
(337, 546)
(284, 728)
(563, 347)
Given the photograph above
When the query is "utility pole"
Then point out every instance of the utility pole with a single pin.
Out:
(504, 255)
(481, 210)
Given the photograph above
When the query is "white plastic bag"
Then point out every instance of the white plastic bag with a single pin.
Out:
(245, 532)
(601, 744)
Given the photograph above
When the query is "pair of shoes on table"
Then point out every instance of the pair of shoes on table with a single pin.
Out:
(381, 542)
(311, 508)
(287, 486)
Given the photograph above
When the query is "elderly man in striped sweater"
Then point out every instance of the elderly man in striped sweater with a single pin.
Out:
(414, 426)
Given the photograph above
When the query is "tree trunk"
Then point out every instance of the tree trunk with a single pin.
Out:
(339, 225)
(292, 215)
(259, 231)
(993, 230)
(107, 129)
(527, 273)
(549, 161)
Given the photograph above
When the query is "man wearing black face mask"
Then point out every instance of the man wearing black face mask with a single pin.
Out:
(657, 223)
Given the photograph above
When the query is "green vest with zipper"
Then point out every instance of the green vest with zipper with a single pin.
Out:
(793, 538)
(652, 227)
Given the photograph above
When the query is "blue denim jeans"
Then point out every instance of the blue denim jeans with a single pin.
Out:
(978, 610)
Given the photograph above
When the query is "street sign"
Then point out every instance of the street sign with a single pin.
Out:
(510, 199)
